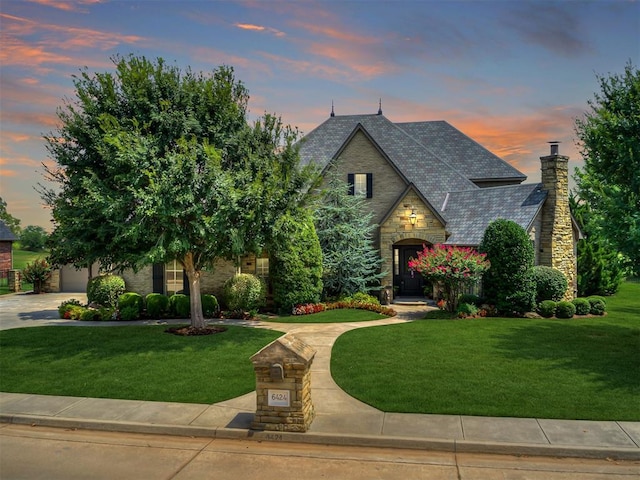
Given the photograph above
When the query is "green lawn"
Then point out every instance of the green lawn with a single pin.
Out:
(570, 369)
(20, 260)
(329, 316)
(130, 362)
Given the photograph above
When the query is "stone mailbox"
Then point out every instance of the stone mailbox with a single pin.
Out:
(283, 385)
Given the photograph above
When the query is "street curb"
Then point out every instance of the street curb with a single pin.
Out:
(442, 445)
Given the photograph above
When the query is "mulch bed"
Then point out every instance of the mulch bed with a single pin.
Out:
(189, 331)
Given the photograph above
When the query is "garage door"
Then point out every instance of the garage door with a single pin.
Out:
(72, 280)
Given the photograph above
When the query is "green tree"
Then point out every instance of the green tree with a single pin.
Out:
(600, 267)
(295, 261)
(350, 263)
(9, 220)
(508, 282)
(156, 164)
(33, 238)
(609, 136)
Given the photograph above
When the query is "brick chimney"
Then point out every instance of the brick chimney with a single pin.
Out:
(557, 246)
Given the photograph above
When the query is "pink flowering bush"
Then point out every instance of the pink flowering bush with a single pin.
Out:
(310, 308)
(453, 267)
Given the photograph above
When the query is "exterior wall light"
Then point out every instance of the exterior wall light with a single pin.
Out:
(413, 217)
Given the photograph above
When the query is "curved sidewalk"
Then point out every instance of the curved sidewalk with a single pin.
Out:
(340, 419)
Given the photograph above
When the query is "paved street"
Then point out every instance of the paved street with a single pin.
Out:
(28, 452)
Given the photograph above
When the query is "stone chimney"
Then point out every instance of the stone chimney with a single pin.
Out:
(557, 246)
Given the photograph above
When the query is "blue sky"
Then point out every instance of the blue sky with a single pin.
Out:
(510, 74)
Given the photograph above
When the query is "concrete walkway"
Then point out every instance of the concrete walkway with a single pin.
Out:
(340, 419)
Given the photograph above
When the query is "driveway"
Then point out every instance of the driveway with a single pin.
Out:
(31, 310)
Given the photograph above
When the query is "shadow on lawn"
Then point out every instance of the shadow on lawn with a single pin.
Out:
(608, 353)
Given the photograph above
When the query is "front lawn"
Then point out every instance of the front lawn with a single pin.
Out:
(130, 362)
(582, 368)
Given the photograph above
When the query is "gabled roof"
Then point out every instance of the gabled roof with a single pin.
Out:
(406, 154)
(470, 212)
(6, 235)
(454, 147)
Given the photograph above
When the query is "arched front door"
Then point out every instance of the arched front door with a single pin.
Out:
(406, 282)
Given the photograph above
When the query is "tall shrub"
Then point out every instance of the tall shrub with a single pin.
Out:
(105, 290)
(244, 292)
(296, 261)
(508, 283)
(452, 267)
(37, 272)
(551, 283)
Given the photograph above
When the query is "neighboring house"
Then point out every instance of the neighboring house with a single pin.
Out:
(6, 249)
(426, 183)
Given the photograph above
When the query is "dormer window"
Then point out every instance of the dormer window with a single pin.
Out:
(360, 184)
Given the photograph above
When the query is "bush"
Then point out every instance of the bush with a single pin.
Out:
(467, 310)
(551, 284)
(597, 306)
(74, 312)
(91, 315)
(180, 305)
(363, 298)
(471, 299)
(565, 309)
(129, 313)
(547, 308)
(508, 283)
(131, 299)
(210, 305)
(296, 262)
(244, 292)
(593, 298)
(66, 306)
(105, 290)
(37, 272)
(583, 307)
(157, 305)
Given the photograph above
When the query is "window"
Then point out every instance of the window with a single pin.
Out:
(396, 261)
(174, 275)
(262, 267)
(360, 184)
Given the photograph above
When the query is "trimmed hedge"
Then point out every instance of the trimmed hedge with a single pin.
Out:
(565, 309)
(157, 305)
(131, 300)
(598, 306)
(547, 308)
(583, 307)
(551, 284)
(210, 305)
(180, 305)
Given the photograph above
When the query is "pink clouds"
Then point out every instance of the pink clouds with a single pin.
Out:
(260, 28)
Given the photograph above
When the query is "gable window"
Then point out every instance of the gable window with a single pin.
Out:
(360, 184)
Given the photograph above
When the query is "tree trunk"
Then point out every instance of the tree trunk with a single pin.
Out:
(193, 275)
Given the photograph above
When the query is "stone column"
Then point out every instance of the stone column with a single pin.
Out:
(556, 235)
(15, 281)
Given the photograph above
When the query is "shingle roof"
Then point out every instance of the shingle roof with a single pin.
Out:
(6, 235)
(441, 162)
(470, 212)
(454, 147)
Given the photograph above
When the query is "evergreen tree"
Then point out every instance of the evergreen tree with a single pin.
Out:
(350, 262)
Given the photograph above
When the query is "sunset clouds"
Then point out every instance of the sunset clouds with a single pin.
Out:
(512, 75)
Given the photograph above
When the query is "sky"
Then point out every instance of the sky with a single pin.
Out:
(512, 75)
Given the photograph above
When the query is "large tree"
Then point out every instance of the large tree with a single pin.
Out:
(33, 238)
(609, 136)
(156, 163)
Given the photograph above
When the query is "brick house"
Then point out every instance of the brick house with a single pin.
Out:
(426, 183)
(6, 252)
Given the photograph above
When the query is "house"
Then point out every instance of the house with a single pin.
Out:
(428, 183)
(6, 249)
(425, 183)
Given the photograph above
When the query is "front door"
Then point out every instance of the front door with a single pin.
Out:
(409, 282)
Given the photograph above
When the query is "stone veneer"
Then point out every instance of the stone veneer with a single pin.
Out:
(557, 245)
(284, 365)
(397, 228)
